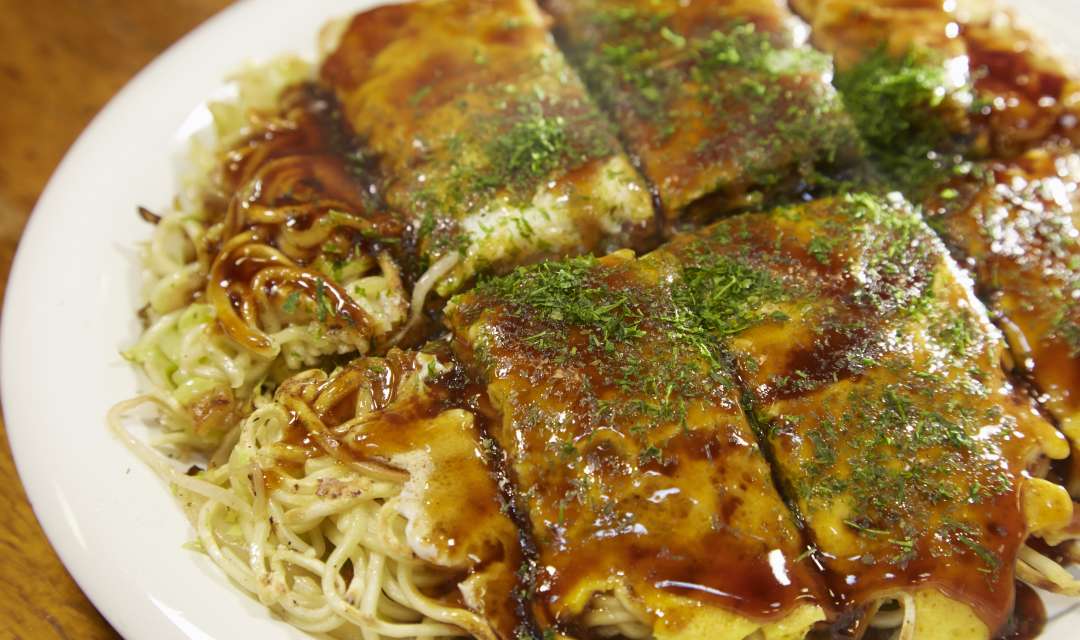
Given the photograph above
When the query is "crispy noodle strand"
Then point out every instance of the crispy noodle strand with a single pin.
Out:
(423, 287)
(907, 626)
(614, 614)
(1039, 571)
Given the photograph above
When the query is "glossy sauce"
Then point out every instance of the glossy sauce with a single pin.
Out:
(302, 195)
(1014, 224)
(248, 275)
(1030, 98)
(1028, 617)
(305, 170)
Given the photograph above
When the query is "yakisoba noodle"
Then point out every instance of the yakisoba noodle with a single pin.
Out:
(417, 494)
(283, 519)
(258, 272)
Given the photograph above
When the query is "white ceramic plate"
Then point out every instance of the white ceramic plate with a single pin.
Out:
(70, 308)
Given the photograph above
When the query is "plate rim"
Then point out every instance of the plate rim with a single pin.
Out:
(47, 507)
(31, 236)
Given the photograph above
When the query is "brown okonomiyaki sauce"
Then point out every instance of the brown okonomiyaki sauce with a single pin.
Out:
(306, 209)
(1008, 225)
(301, 169)
(308, 122)
(1028, 99)
(706, 568)
(1028, 617)
(990, 595)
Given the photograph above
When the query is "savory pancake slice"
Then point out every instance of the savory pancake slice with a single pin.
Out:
(850, 30)
(652, 510)
(489, 144)
(876, 382)
(999, 85)
(717, 100)
(1011, 218)
(1016, 225)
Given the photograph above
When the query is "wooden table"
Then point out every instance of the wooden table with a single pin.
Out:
(60, 61)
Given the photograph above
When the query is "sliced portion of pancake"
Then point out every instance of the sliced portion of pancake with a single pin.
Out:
(1016, 225)
(851, 30)
(876, 381)
(651, 506)
(969, 115)
(489, 144)
(717, 101)
(1000, 85)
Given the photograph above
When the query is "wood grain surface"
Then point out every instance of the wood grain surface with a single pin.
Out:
(60, 62)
